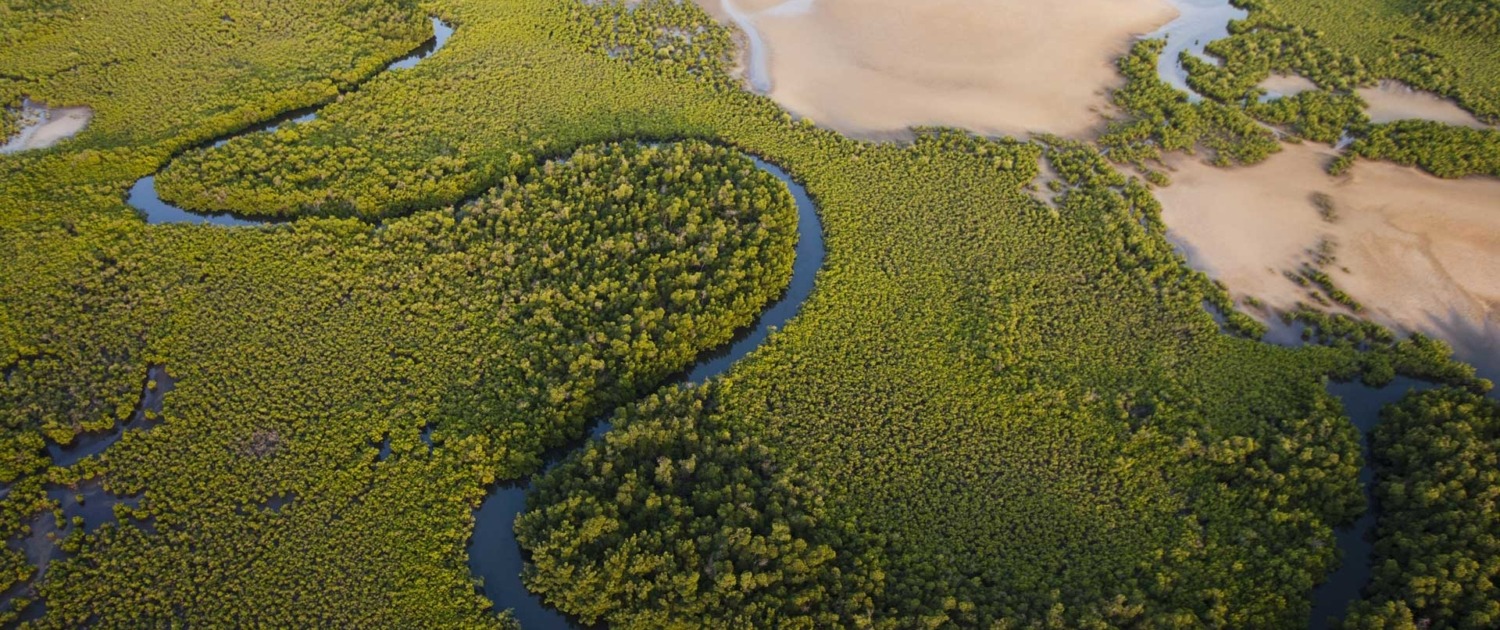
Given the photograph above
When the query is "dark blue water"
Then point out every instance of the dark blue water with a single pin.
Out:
(96, 508)
(494, 555)
(143, 195)
(95, 442)
(440, 34)
(1356, 545)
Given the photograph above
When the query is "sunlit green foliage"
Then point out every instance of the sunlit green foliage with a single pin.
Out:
(1160, 118)
(562, 292)
(233, 62)
(1393, 39)
(1480, 17)
(1443, 150)
(1316, 115)
(299, 349)
(1341, 46)
(1437, 548)
(440, 132)
(992, 410)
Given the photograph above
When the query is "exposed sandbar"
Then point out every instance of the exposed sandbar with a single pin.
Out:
(873, 67)
(1421, 252)
(1392, 100)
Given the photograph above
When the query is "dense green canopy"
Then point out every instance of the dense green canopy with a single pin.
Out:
(1437, 550)
(994, 409)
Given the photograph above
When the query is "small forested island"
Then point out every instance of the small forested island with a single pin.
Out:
(750, 314)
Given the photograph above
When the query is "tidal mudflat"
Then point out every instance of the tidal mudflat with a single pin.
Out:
(1417, 251)
(46, 126)
(873, 68)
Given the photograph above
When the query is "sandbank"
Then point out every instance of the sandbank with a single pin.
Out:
(869, 68)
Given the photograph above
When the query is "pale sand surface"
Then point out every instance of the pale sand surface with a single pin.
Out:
(47, 127)
(1423, 253)
(873, 67)
(1283, 85)
(1392, 101)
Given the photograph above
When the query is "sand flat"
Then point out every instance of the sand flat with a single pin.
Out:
(1421, 252)
(1391, 101)
(873, 67)
(48, 126)
(1284, 85)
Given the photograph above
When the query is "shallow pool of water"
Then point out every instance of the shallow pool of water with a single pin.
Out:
(43, 126)
(1390, 101)
(1356, 543)
(1199, 22)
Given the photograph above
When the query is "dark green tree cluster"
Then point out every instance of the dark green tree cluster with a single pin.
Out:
(680, 518)
(1162, 119)
(1437, 548)
(1382, 354)
(1443, 150)
(1475, 17)
(991, 411)
(612, 271)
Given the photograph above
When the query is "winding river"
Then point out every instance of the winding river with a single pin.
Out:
(494, 554)
(1198, 23)
(143, 197)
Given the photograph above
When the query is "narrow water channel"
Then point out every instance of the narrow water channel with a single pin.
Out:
(1199, 22)
(1356, 543)
(494, 555)
(757, 59)
(156, 386)
(143, 196)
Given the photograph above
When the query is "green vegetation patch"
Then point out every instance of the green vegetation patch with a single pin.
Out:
(1340, 46)
(1437, 454)
(1398, 39)
(992, 410)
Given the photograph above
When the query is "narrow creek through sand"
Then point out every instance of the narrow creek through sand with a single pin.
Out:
(1198, 23)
